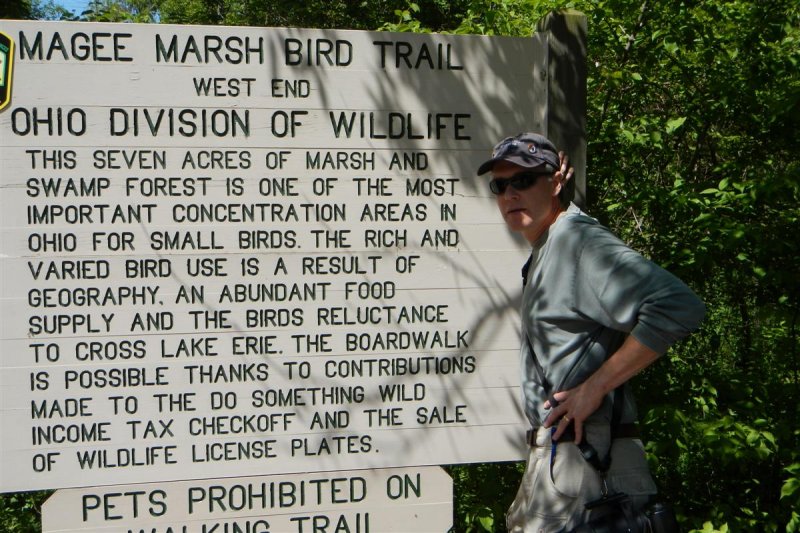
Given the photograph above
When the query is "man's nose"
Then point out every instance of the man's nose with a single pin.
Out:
(510, 192)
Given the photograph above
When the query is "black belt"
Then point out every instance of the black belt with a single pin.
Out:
(623, 431)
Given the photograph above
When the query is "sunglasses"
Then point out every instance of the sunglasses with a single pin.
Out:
(520, 181)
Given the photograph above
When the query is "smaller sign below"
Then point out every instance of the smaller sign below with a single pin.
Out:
(356, 501)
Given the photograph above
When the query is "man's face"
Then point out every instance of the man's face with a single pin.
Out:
(525, 211)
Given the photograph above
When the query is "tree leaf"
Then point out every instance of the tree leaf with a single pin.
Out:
(674, 124)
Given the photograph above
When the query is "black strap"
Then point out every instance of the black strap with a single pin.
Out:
(589, 452)
(616, 410)
(525, 268)
(591, 456)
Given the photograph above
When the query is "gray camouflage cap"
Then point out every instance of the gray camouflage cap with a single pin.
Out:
(527, 150)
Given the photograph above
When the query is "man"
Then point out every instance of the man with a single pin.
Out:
(594, 314)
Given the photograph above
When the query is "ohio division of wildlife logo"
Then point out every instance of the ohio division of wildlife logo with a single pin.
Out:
(6, 68)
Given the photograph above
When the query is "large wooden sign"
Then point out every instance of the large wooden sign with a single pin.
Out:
(238, 251)
(401, 500)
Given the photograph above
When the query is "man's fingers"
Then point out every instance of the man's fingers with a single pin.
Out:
(559, 397)
(554, 417)
(566, 171)
(578, 432)
(560, 429)
(564, 159)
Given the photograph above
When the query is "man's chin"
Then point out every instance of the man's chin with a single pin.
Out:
(518, 220)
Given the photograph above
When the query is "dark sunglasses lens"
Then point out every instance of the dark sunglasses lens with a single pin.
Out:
(498, 185)
(520, 182)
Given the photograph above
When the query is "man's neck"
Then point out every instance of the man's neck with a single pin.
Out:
(555, 212)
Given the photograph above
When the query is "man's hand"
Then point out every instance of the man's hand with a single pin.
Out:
(574, 406)
(565, 173)
(577, 404)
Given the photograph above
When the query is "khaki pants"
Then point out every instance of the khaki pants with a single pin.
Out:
(553, 492)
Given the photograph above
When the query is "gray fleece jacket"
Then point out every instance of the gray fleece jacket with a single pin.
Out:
(585, 292)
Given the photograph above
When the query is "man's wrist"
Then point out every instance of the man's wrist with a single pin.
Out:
(600, 382)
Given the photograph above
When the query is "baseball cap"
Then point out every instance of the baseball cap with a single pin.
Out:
(528, 150)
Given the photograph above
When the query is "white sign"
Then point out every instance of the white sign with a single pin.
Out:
(419, 499)
(244, 251)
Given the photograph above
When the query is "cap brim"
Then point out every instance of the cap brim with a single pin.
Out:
(515, 159)
(486, 166)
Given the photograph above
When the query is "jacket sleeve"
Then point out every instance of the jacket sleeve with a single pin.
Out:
(620, 289)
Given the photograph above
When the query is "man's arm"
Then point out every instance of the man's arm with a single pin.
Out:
(575, 405)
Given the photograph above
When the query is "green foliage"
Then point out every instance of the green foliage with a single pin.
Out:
(142, 11)
(344, 14)
(19, 513)
(15, 9)
(406, 21)
(692, 105)
(51, 11)
(482, 494)
(791, 493)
